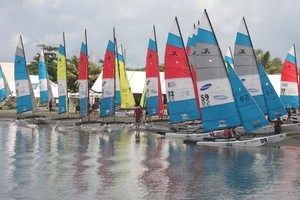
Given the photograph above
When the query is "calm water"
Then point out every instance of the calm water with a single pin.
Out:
(44, 164)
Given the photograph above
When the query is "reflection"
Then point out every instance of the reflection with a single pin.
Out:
(80, 181)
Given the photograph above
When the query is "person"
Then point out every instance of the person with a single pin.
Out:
(228, 133)
(50, 105)
(138, 116)
(289, 114)
(277, 125)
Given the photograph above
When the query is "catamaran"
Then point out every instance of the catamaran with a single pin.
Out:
(24, 93)
(5, 91)
(225, 102)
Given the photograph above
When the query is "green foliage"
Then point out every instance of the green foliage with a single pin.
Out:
(271, 66)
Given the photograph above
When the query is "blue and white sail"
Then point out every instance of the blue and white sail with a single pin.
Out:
(274, 105)
(4, 87)
(24, 93)
(250, 114)
(218, 107)
(245, 65)
(228, 58)
(44, 83)
(182, 103)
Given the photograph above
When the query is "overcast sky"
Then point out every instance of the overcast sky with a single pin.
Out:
(273, 24)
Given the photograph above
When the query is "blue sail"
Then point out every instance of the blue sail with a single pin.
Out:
(218, 107)
(274, 104)
(43, 80)
(245, 65)
(251, 115)
(24, 93)
(3, 93)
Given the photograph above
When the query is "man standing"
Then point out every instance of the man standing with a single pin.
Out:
(138, 116)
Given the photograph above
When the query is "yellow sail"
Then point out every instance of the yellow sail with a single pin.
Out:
(142, 101)
(127, 99)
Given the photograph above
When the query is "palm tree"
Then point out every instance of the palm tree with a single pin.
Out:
(271, 66)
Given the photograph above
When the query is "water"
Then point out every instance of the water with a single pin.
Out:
(44, 164)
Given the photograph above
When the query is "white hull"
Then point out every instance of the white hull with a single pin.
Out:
(276, 138)
(39, 120)
(185, 135)
(92, 128)
(255, 142)
(265, 129)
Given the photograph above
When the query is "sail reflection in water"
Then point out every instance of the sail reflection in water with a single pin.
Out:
(44, 164)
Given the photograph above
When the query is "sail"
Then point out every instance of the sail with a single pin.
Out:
(62, 78)
(191, 52)
(154, 100)
(83, 80)
(181, 98)
(44, 83)
(274, 105)
(228, 58)
(218, 107)
(289, 93)
(24, 93)
(4, 88)
(245, 65)
(127, 100)
(250, 114)
(143, 97)
(107, 107)
(117, 82)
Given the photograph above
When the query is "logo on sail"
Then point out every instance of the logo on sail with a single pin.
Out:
(253, 90)
(205, 87)
(220, 97)
(171, 84)
(222, 123)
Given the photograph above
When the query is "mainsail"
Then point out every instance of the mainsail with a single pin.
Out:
(218, 107)
(245, 65)
(83, 79)
(154, 100)
(4, 87)
(44, 82)
(24, 92)
(62, 78)
(127, 100)
(181, 97)
(107, 107)
(289, 93)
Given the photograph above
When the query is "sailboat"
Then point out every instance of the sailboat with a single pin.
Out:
(154, 99)
(224, 99)
(44, 82)
(5, 91)
(24, 93)
(254, 77)
(181, 98)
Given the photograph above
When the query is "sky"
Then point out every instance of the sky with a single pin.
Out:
(273, 24)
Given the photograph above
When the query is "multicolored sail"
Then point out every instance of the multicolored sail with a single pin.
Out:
(127, 100)
(117, 77)
(245, 65)
(83, 79)
(24, 92)
(44, 83)
(274, 105)
(250, 114)
(289, 93)
(228, 58)
(107, 107)
(191, 52)
(62, 78)
(218, 107)
(154, 100)
(181, 97)
(4, 88)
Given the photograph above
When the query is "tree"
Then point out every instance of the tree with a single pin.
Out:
(271, 66)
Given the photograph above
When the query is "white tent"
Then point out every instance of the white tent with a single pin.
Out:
(136, 79)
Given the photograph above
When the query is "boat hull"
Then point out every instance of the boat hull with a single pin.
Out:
(255, 142)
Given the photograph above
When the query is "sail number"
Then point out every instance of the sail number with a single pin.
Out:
(171, 96)
(205, 100)
(244, 98)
